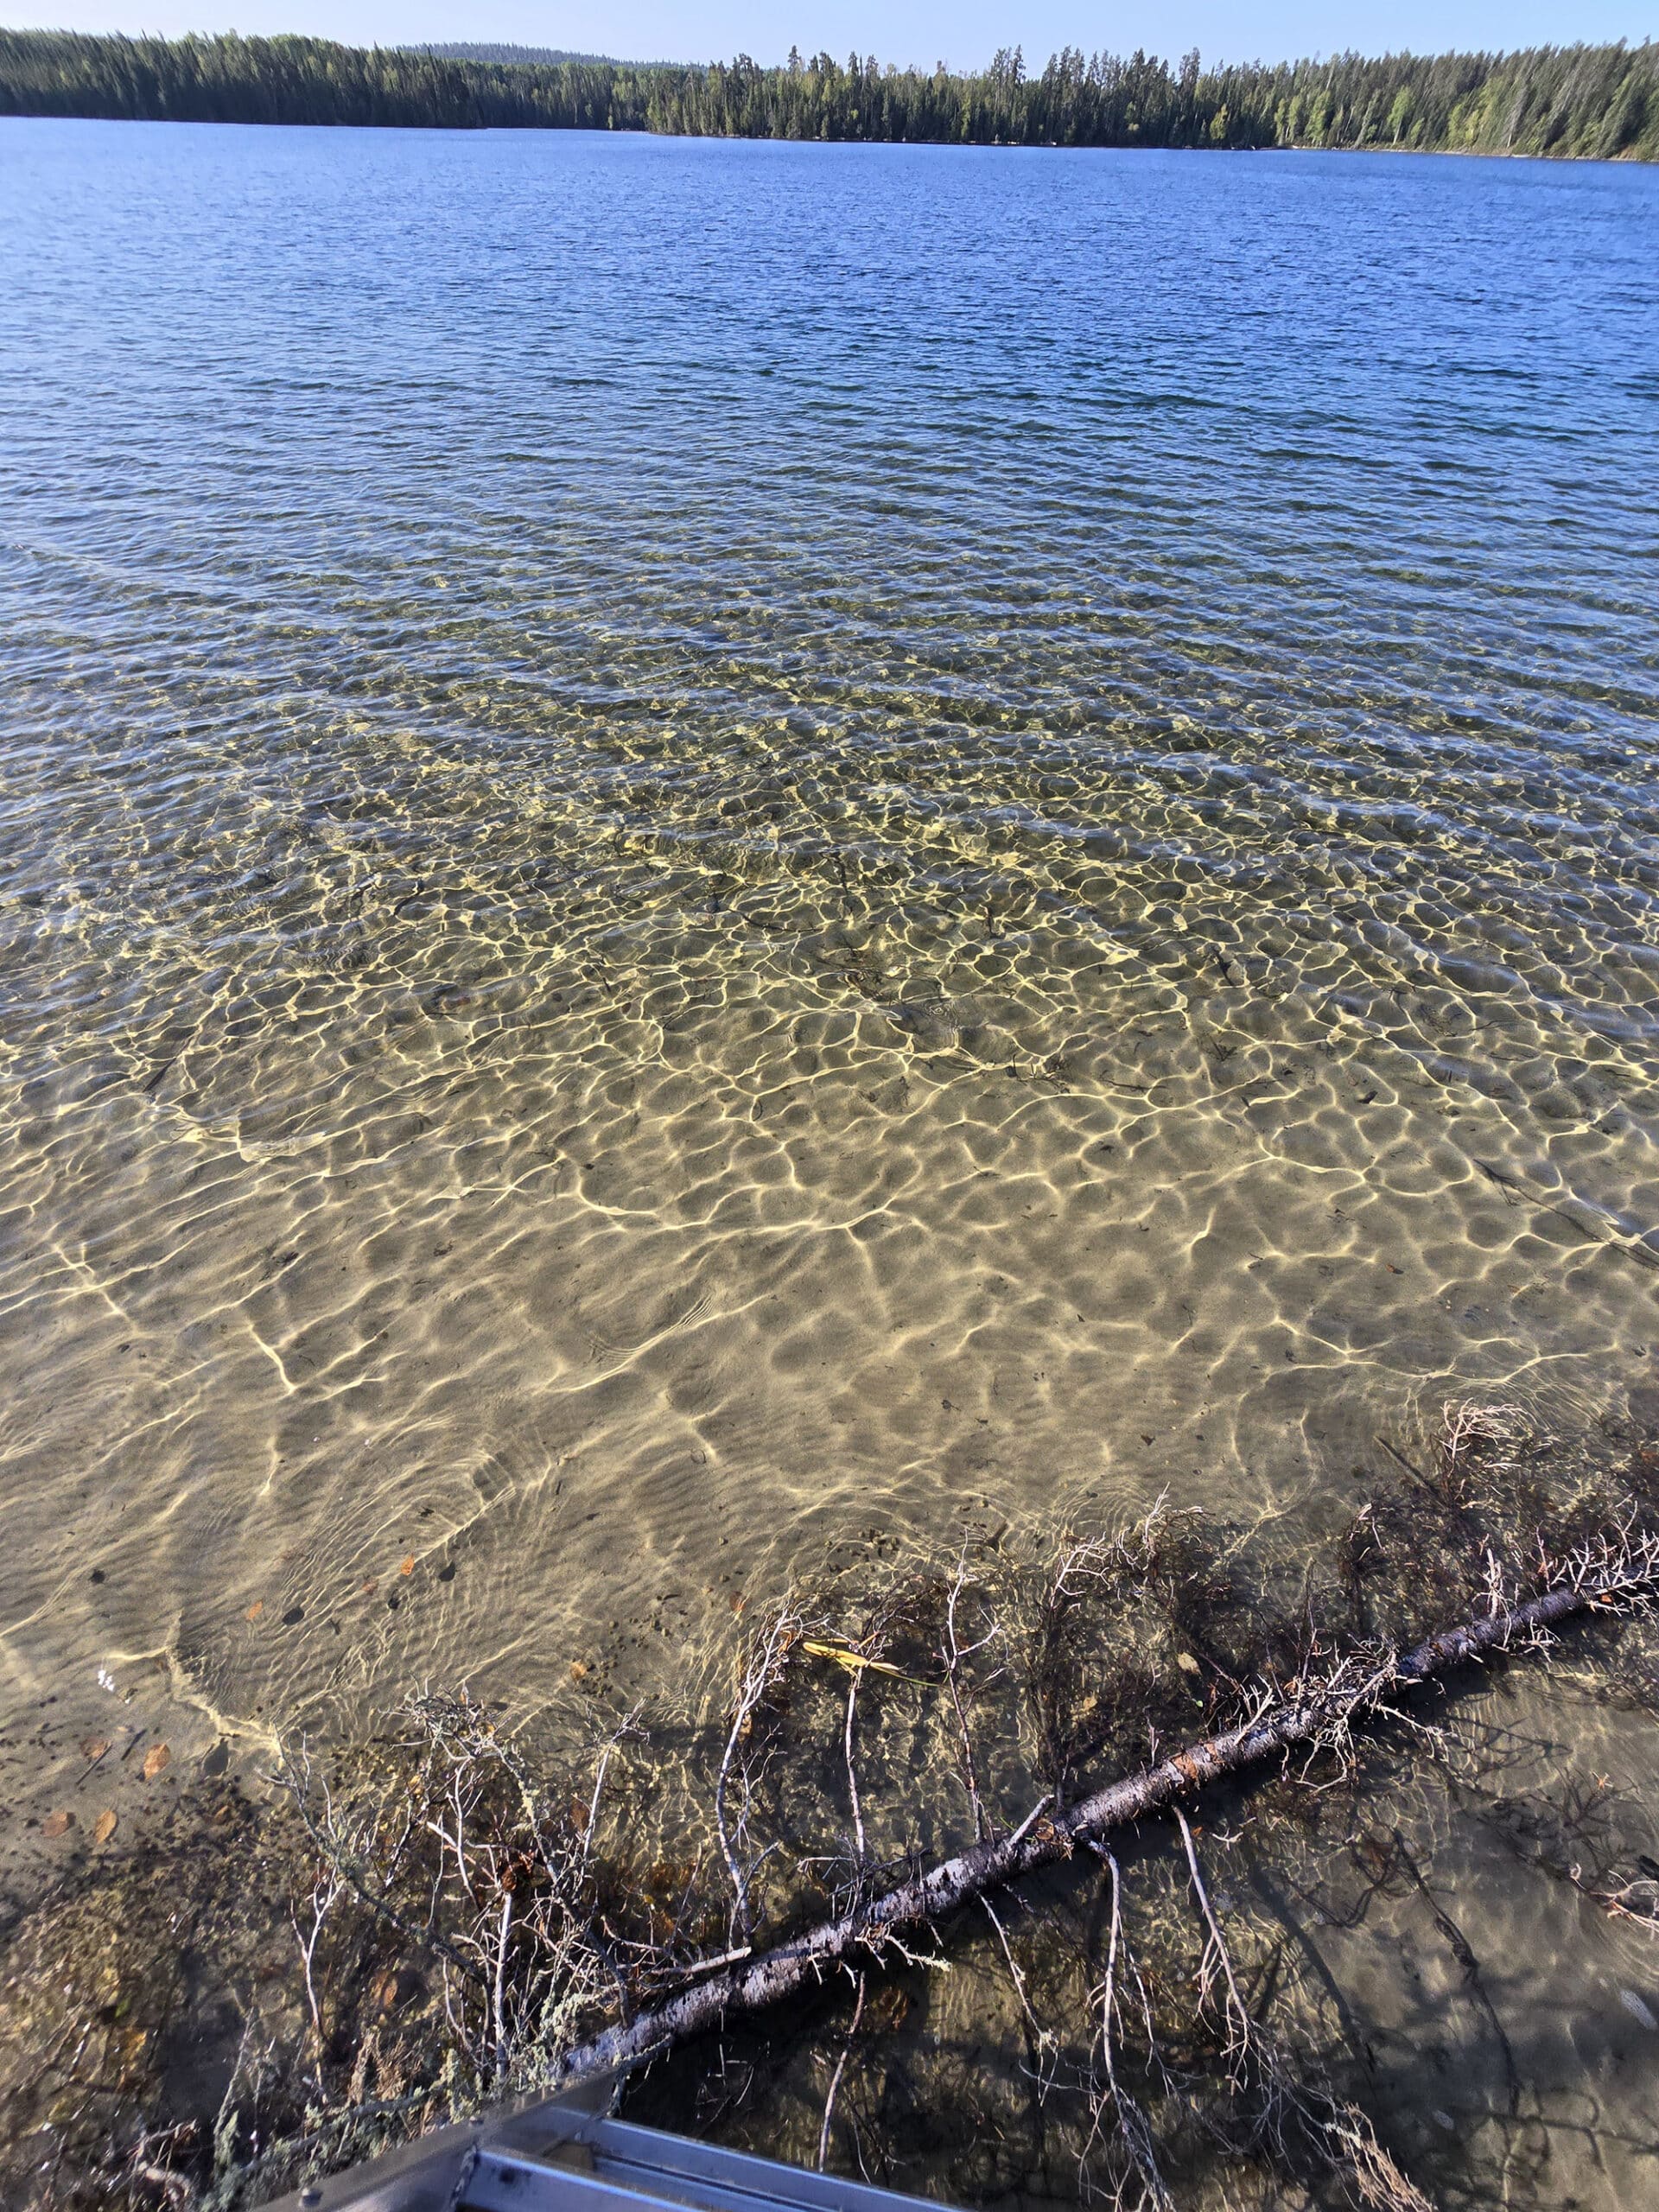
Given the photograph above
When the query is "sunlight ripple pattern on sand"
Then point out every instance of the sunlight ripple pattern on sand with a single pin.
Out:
(706, 844)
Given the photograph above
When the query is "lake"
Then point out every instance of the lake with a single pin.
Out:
(710, 846)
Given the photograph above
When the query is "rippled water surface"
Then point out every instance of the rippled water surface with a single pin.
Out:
(707, 844)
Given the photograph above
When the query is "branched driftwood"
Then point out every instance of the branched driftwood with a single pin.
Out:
(1314, 1712)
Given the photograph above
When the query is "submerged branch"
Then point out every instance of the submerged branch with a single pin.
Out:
(1311, 1714)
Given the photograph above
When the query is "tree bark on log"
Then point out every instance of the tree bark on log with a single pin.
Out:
(1305, 1715)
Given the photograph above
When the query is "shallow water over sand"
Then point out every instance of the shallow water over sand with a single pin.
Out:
(708, 845)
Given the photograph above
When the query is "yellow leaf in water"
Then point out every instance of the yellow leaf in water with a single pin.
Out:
(1186, 1663)
(57, 1824)
(94, 1747)
(155, 1758)
(255, 1609)
(853, 1661)
(408, 1567)
(104, 1826)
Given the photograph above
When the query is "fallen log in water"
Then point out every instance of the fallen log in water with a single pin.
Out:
(1611, 1573)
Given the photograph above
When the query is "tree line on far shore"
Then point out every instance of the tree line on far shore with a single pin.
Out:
(1595, 102)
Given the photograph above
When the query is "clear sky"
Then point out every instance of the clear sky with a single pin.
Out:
(963, 32)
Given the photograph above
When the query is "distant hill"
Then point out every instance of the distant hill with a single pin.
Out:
(511, 56)
(462, 50)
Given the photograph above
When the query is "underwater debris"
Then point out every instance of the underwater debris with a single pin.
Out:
(461, 1926)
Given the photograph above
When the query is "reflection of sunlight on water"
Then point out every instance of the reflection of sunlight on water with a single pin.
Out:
(590, 1018)
(633, 1192)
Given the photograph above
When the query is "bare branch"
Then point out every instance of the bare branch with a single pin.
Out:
(835, 2079)
(1615, 1572)
(761, 1666)
(852, 1774)
(1236, 2018)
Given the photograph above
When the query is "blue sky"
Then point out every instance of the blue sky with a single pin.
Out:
(963, 32)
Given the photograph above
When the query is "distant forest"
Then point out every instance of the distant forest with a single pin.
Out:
(471, 50)
(1599, 102)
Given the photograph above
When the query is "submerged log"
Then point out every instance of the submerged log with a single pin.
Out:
(1309, 1713)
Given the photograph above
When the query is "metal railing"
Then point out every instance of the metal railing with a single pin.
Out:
(570, 2155)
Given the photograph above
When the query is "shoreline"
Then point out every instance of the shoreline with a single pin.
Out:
(1578, 103)
(940, 145)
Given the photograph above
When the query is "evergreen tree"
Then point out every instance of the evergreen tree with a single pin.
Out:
(1593, 101)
